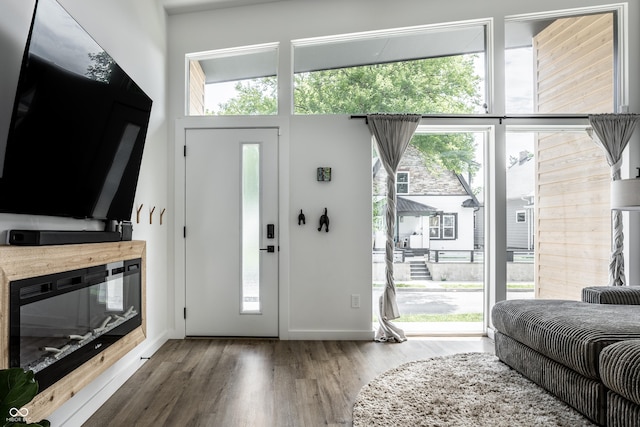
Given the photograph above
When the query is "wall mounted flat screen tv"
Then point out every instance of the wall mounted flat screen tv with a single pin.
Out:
(78, 126)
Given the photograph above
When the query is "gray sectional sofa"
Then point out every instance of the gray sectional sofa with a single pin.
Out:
(587, 352)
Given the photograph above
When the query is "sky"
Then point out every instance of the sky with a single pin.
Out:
(215, 94)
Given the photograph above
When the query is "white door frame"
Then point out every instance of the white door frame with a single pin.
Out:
(176, 219)
(216, 284)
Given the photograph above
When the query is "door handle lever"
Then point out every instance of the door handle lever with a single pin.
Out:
(269, 248)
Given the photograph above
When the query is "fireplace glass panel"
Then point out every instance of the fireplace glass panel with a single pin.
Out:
(61, 320)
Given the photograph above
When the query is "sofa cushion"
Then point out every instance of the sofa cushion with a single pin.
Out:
(627, 295)
(572, 333)
(620, 369)
(621, 412)
(587, 395)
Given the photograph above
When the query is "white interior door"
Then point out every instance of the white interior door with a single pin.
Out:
(231, 234)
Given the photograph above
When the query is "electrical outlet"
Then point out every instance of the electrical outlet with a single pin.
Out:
(355, 301)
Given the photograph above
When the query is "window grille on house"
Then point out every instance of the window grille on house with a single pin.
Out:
(443, 226)
(402, 183)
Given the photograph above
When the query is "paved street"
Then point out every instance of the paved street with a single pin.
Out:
(433, 301)
(418, 302)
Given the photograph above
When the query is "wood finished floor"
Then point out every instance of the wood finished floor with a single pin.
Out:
(216, 382)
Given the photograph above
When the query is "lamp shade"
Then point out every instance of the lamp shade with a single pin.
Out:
(625, 194)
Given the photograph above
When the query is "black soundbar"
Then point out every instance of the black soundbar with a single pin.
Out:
(52, 237)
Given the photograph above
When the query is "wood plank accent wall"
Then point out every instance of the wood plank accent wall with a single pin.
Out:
(196, 89)
(575, 74)
(20, 262)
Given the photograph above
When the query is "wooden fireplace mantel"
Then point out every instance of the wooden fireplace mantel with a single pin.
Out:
(20, 262)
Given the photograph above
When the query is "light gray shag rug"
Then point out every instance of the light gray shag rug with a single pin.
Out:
(468, 389)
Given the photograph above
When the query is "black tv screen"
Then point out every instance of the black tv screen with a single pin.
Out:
(78, 126)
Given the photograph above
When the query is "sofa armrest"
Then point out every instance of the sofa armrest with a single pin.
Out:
(620, 370)
(623, 295)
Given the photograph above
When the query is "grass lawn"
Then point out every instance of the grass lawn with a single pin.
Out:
(456, 317)
(466, 285)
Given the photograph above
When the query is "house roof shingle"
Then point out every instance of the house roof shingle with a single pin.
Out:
(409, 207)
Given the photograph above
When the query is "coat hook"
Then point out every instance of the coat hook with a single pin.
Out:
(151, 215)
(324, 221)
(138, 213)
(301, 218)
(162, 214)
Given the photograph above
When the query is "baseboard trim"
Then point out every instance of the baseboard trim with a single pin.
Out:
(310, 335)
(315, 335)
(84, 404)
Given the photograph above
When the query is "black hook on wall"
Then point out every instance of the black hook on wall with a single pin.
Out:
(301, 218)
(324, 221)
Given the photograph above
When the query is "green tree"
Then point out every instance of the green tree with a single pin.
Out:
(255, 97)
(446, 85)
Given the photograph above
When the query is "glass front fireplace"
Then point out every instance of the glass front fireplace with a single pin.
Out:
(59, 321)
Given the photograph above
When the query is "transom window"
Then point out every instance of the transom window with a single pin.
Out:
(550, 58)
(427, 69)
(237, 81)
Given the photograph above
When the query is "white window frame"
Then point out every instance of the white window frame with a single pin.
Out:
(453, 227)
(441, 227)
(487, 23)
(224, 53)
(435, 227)
(407, 182)
(621, 67)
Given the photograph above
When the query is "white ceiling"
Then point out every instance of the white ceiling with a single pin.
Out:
(174, 7)
(519, 33)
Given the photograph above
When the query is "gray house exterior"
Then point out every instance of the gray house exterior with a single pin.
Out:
(520, 203)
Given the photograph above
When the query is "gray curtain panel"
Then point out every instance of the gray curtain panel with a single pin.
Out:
(612, 133)
(392, 133)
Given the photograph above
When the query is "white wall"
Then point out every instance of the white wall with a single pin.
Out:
(328, 267)
(319, 271)
(134, 33)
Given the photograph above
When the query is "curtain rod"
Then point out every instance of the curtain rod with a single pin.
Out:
(491, 117)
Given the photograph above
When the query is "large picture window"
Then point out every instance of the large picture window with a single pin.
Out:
(558, 210)
(557, 188)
